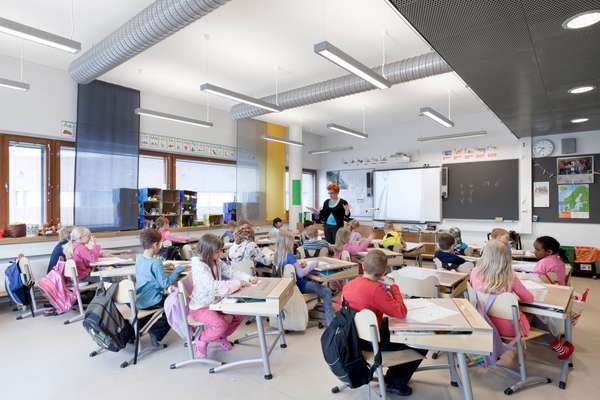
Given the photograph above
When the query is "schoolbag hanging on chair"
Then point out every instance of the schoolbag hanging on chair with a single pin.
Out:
(17, 290)
(55, 289)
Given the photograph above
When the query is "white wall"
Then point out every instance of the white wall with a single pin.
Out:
(403, 139)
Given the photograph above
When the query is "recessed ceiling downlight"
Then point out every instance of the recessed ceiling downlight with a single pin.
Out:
(579, 120)
(582, 20)
(581, 89)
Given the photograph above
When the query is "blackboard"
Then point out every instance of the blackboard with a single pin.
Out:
(483, 190)
(550, 214)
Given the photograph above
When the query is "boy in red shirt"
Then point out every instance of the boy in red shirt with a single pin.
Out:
(370, 292)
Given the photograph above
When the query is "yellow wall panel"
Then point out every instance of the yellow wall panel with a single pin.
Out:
(275, 190)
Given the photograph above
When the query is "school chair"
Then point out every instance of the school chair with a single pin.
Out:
(125, 302)
(302, 253)
(187, 252)
(366, 327)
(506, 306)
(295, 314)
(465, 268)
(28, 279)
(70, 272)
(189, 323)
(427, 287)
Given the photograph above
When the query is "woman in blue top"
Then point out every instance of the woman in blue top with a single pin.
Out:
(334, 212)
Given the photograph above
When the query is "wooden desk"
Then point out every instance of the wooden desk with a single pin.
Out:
(264, 242)
(451, 283)
(526, 267)
(266, 299)
(556, 303)
(464, 332)
(394, 258)
(128, 270)
(112, 262)
(345, 270)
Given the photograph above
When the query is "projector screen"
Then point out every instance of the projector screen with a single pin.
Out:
(408, 195)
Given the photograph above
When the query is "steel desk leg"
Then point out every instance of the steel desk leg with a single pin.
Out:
(263, 347)
(464, 377)
(564, 366)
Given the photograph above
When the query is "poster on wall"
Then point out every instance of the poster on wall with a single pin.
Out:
(67, 128)
(333, 177)
(541, 194)
(575, 170)
(574, 201)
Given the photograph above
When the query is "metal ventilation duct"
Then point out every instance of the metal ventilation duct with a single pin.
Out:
(156, 22)
(406, 70)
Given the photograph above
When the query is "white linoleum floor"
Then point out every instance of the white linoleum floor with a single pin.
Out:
(43, 359)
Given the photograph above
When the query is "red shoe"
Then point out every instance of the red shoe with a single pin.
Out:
(563, 350)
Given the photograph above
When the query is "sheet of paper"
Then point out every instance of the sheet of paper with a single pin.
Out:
(525, 267)
(538, 290)
(426, 311)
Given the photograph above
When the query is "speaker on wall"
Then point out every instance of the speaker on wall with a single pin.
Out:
(369, 184)
(569, 146)
(444, 180)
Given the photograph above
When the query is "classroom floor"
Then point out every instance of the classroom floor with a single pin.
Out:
(43, 359)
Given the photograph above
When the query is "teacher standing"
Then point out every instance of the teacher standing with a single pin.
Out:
(334, 212)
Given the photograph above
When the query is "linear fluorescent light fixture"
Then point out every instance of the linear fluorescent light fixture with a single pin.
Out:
(171, 117)
(337, 56)
(436, 116)
(347, 131)
(463, 135)
(332, 150)
(242, 98)
(582, 20)
(16, 85)
(281, 140)
(579, 120)
(35, 35)
(581, 89)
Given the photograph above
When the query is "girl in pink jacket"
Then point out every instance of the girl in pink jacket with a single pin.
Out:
(343, 243)
(83, 250)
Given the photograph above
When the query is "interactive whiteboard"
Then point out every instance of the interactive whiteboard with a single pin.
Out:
(408, 195)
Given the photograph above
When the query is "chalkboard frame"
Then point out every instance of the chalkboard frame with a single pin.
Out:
(509, 197)
(550, 214)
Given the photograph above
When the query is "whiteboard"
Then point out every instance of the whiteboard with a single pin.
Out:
(409, 195)
(353, 189)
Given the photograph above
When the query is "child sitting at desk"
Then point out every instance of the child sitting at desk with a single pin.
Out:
(494, 274)
(284, 255)
(214, 279)
(163, 228)
(392, 239)
(343, 243)
(501, 235)
(304, 234)
(449, 259)
(228, 236)
(58, 253)
(83, 250)
(319, 246)
(244, 247)
(355, 235)
(151, 282)
(547, 251)
(277, 225)
(370, 292)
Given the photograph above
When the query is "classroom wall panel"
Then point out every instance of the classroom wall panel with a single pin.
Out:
(275, 190)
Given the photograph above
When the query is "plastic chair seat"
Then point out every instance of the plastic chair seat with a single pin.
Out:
(534, 333)
(192, 322)
(391, 358)
(308, 297)
(125, 311)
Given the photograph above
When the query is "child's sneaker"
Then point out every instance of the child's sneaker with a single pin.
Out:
(563, 350)
(201, 349)
(225, 344)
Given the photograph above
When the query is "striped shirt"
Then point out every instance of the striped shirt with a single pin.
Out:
(315, 244)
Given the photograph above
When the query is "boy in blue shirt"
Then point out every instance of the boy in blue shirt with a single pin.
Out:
(151, 282)
(58, 253)
(446, 255)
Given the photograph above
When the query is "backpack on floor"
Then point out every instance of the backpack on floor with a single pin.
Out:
(341, 349)
(14, 285)
(104, 322)
(55, 289)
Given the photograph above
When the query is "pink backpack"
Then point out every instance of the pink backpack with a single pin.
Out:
(55, 289)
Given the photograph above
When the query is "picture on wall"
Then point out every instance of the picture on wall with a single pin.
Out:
(575, 170)
(541, 194)
(574, 201)
(333, 177)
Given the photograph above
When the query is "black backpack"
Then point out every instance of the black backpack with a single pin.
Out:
(104, 322)
(341, 349)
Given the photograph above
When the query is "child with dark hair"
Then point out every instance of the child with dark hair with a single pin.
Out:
(445, 252)
(277, 225)
(547, 251)
(151, 281)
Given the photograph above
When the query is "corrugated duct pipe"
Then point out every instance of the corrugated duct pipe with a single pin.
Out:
(153, 24)
(406, 70)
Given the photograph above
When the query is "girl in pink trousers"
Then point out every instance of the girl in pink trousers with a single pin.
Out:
(213, 280)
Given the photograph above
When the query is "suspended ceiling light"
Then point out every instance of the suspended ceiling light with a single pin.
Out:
(171, 117)
(436, 116)
(242, 98)
(284, 141)
(337, 56)
(7, 83)
(332, 150)
(35, 35)
(463, 135)
(581, 89)
(579, 120)
(347, 131)
(582, 20)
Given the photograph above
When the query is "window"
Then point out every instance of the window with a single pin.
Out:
(215, 184)
(26, 182)
(67, 185)
(308, 189)
(152, 172)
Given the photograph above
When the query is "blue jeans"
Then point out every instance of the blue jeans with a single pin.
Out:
(325, 294)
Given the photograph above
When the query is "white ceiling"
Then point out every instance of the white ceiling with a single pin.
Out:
(249, 47)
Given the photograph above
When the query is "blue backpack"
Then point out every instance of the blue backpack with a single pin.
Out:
(14, 285)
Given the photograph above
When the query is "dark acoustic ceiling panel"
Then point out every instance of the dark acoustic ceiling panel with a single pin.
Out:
(517, 57)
